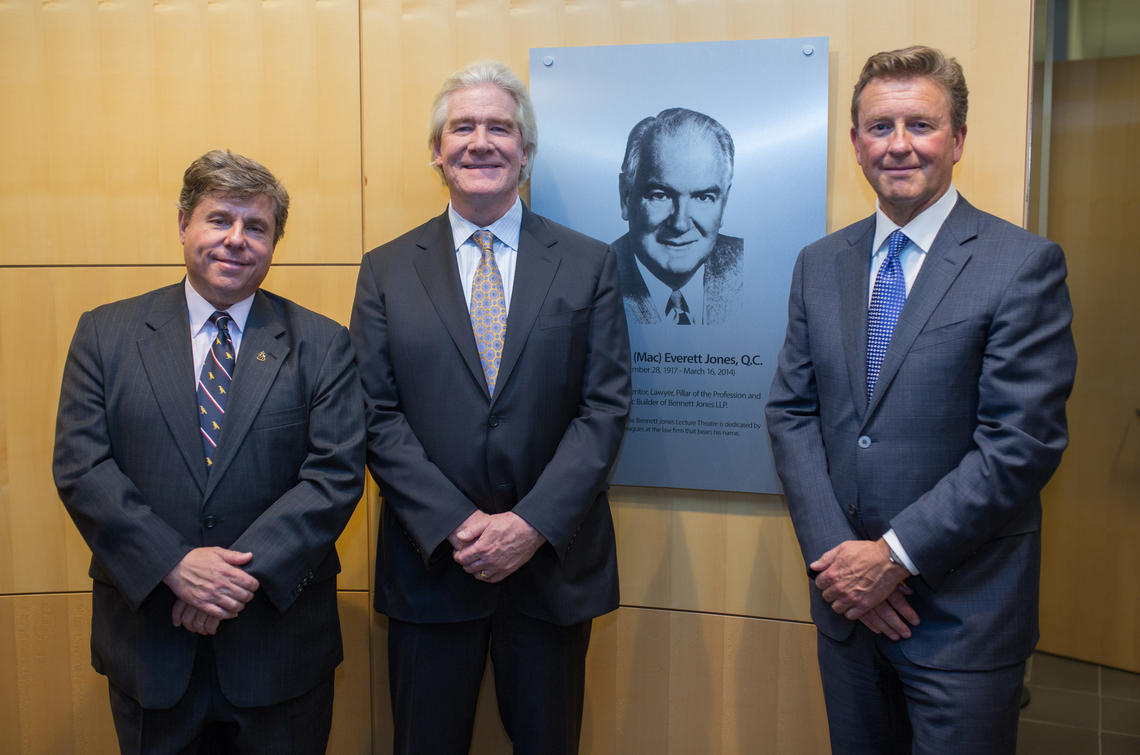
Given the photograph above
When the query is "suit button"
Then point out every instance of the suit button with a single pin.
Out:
(493, 421)
(864, 441)
(210, 521)
(851, 509)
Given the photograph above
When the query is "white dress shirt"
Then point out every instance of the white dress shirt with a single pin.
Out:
(203, 332)
(505, 248)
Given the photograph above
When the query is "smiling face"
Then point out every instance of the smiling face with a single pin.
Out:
(906, 144)
(228, 245)
(676, 202)
(480, 152)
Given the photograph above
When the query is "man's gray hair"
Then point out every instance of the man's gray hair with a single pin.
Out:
(487, 72)
(671, 122)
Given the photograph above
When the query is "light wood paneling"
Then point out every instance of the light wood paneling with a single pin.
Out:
(38, 311)
(1090, 593)
(105, 104)
(52, 701)
(672, 682)
(718, 552)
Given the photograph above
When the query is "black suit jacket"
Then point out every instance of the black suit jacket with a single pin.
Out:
(966, 425)
(130, 468)
(440, 446)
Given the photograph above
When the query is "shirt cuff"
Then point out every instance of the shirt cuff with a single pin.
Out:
(899, 551)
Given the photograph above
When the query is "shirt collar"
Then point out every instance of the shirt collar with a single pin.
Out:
(506, 228)
(922, 229)
(693, 291)
(200, 310)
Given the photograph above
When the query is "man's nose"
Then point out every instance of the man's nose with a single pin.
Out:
(899, 140)
(681, 219)
(479, 140)
(236, 234)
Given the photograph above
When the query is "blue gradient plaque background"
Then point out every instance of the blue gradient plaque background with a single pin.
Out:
(699, 391)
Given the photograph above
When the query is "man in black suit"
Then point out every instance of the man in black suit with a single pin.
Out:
(918, 409)
(495, 359)
(212, 521)
(674, 264)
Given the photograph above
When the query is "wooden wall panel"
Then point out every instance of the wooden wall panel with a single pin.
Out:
(1092, 505)
(47, 554)
(52, 701)
(671, 682)
(719, 552)
(105, 104)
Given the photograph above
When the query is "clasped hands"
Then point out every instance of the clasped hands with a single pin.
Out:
(210, 587)
(491, 547)
(859, 581)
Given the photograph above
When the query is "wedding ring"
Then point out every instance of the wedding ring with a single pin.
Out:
(482, 574)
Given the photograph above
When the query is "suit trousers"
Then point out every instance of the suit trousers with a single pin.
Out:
(435, 670)
(879, 703)
(204, 722)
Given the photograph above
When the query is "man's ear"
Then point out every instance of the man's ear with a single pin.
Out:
(183, 222)
(623, 195)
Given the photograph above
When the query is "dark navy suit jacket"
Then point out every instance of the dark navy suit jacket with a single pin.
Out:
(288, 473)
(966, 426)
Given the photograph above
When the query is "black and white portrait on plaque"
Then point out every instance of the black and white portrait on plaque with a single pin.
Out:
(716, 155)
(675, 264)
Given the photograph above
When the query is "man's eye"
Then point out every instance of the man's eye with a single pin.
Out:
(706, 196)
(656, 196)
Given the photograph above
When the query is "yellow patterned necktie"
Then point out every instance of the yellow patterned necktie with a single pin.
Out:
(488, 309)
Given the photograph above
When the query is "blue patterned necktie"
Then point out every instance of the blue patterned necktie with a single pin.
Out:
(488, 309)
(214, 385)
(887, 301)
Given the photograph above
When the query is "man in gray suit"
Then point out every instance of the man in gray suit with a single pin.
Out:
(495, 359)
(675, 265)
(212, 520)
(918, 409)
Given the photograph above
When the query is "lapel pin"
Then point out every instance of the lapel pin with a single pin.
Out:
(261, 356)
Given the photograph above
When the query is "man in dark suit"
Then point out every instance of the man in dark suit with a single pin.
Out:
(495, 359)
(918, 409)
(212, 521)
(674, 264)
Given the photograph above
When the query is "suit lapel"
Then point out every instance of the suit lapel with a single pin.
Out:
(534, 272)
(264, 347)
(854, 270)
(945, 260)
(439, 274)
(167, 359)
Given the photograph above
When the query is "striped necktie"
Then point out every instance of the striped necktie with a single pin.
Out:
(214, 385)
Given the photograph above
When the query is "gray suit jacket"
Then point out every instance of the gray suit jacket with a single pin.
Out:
(966, 426)
(723, 283)
(440, 446)
(131, 471)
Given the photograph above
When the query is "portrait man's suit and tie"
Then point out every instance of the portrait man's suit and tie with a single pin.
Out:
(494, 355)
(210, 449)
(917, 411)
(675, 265)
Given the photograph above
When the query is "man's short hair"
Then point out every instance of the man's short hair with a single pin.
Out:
(671, 122)
(487, 72)
(227, 174)
(917, 61)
